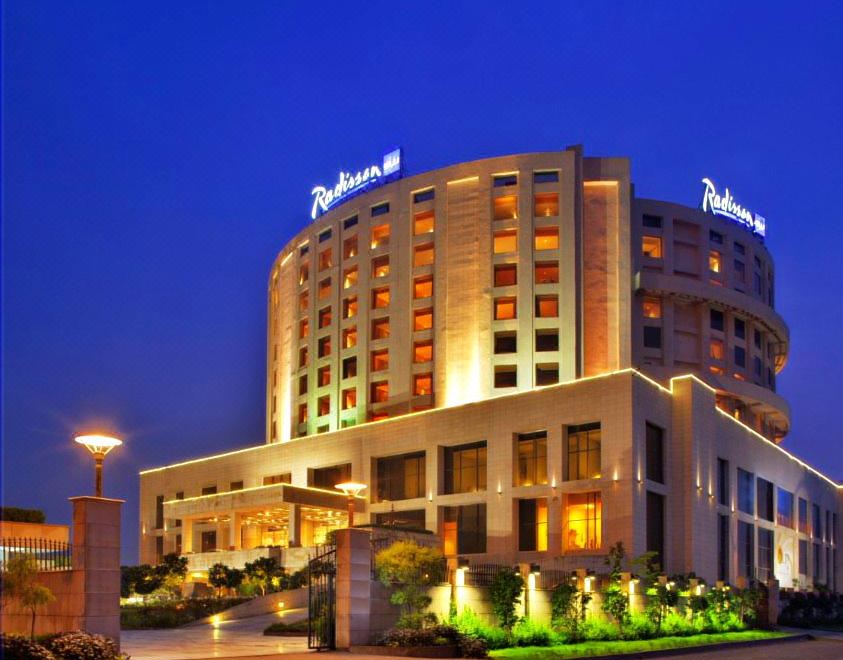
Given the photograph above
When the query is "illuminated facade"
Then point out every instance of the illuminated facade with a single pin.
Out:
(522, 356)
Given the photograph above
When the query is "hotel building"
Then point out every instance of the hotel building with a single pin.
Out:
(522, 356)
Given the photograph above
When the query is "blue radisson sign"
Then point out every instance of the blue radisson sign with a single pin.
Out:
(348, 185)
(725, 205)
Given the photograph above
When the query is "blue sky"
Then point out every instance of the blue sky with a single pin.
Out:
(158, 155)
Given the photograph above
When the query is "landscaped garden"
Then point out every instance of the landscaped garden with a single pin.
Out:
(587, 617)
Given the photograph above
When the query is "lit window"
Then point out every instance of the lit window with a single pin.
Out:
(325, 260)
(547, 238)
(324, 346)
(716, 350)
(531, 466)
(302, 385)
(349, 367)
(583, 455)
(304, 273)
(423, 255)
(324, 317)
(349, 307)
(378, 416)
(380, 328)
(304, 301)
(547, 306)
(651, 246)
(380, 266)
(349, 398)
(423, 319)
(380, 392)
(423, 287)
(323, 376)
(349, 248)
(380, 298)
(506, 207)
(325, 289)
(506, 274)
(546, 205)
(547, 273)
(422, 384)
(465, 468)
(302, 413)
(505, 241)
(304, 328)
(380, 236)
(505, 308)
(422, 351)
(532, 525)
(652, 308)
(349, 278)
(324, 405)
(584, 518)
(423, 223)
(303, 357)
(349, 337)
(380, 360)
(506, 376)
(714, 261)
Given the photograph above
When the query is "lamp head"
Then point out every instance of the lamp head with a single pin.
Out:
(351, 488)
(98, 445)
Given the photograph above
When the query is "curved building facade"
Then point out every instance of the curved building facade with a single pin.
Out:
(506, 274)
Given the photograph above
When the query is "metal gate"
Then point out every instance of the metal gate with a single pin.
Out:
(322, 600)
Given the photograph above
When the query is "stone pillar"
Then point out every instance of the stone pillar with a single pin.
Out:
(186, 536)
(770, 615)
(294, 526)
(234, 534)
(96, 552)
(353, 587)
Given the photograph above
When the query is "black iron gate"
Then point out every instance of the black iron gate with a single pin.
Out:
(322, 600)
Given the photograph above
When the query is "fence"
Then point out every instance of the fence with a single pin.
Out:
(48, 555)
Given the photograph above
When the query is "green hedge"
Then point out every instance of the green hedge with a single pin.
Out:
(173, 614)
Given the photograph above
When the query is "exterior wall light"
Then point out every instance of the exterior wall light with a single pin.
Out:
(99, 446)
(351, 489)
(535, 569)
(462, 563)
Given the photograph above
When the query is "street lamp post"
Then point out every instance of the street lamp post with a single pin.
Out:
(99, 446)
(351, 489)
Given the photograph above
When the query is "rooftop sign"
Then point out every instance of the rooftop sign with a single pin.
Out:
(348, 185)
(726, 206)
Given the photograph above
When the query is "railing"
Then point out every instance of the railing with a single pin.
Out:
(48, 555)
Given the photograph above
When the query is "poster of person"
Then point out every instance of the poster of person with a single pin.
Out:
(785, 558)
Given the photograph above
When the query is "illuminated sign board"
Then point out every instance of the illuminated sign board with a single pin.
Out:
(726, 206)
(348, 185)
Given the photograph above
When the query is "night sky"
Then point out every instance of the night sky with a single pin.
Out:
(158, 155)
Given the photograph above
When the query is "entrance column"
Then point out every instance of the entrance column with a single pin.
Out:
(294, 526)
(234, 534)
(186, 535)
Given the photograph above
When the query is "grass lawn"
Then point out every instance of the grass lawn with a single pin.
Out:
(586, 649)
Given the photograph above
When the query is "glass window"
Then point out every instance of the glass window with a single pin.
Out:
(380, 298)
(505, 308)
(349, 337)
(652, 221)
(765, 499)
(380, 360)
(302, 413)
(652, 336)
(532, 525)
(717, 349)
(547, 374)
(422, 384)
(159, 512)
(422, 351)
(655, 453)
(464, 529)
(784, 508)
(505, 342)
(380, 209)
(804, 523)
(424, 195)
(304, 249)
(546, 205)
(550, 176)
(423, 255)
(816, 522)
(740, 271)
(328, 477)
(303, 361)
(547, 272)
(325, 259)
(506, 376)
(400, 477)
(304, 273)
(715, 261)
(422, 319)
(349, 367)
(465, 468)
(547, 340)
(324, 347)
(740, 356)
(652, 308)
(380, 328)
(717, 320)
(349, 248)
(380, 236)
(325, 236)
(423, 223)
(583, 521)
(746, 550)
(740, 328)
(506, 274)
(723, 482)
(803, 557)
(349, 277)
(324, 317)
(302, 385)
(746, 491)
(531, 458)
(505, 241)
(304, 328)
(304, 301)
(715, 237)
(547, 238)
(349, 398)
(380, 392)
(506, 207)
(503, 180)
(323, 405)
(323, 376)
(651, 247)
(348, 223)
(349, 307)
(380, 266)
(423, 287)
(765, 554)
(655, 525)
(723, 547)
(547, 306)
(583, 455)
(269, 480)
(324, 289)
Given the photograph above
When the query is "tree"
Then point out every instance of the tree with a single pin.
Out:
(615, 600)
(262, 571)
(20, 581)
(233, 577)
(505, 594)
(171, 572)
(408, 569)
(568, 608)
(218, 577)
(142, 579)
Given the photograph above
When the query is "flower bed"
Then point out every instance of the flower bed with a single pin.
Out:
(65, 646)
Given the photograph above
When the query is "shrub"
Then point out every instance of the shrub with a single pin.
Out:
(528, 632)
(470, 625)
(17, 647)
(473, 647)
(408, 569)
(83, 646)
(173, 613)
(599, 631)
(281, 628)
(439, 635)
(568, 609)
(675, 625)
(505, 594)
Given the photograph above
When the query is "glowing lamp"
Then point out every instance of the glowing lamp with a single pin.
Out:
(351, 489)
(99, 446)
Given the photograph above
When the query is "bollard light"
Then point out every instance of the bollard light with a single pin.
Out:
(99, 446)
(351, 489)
